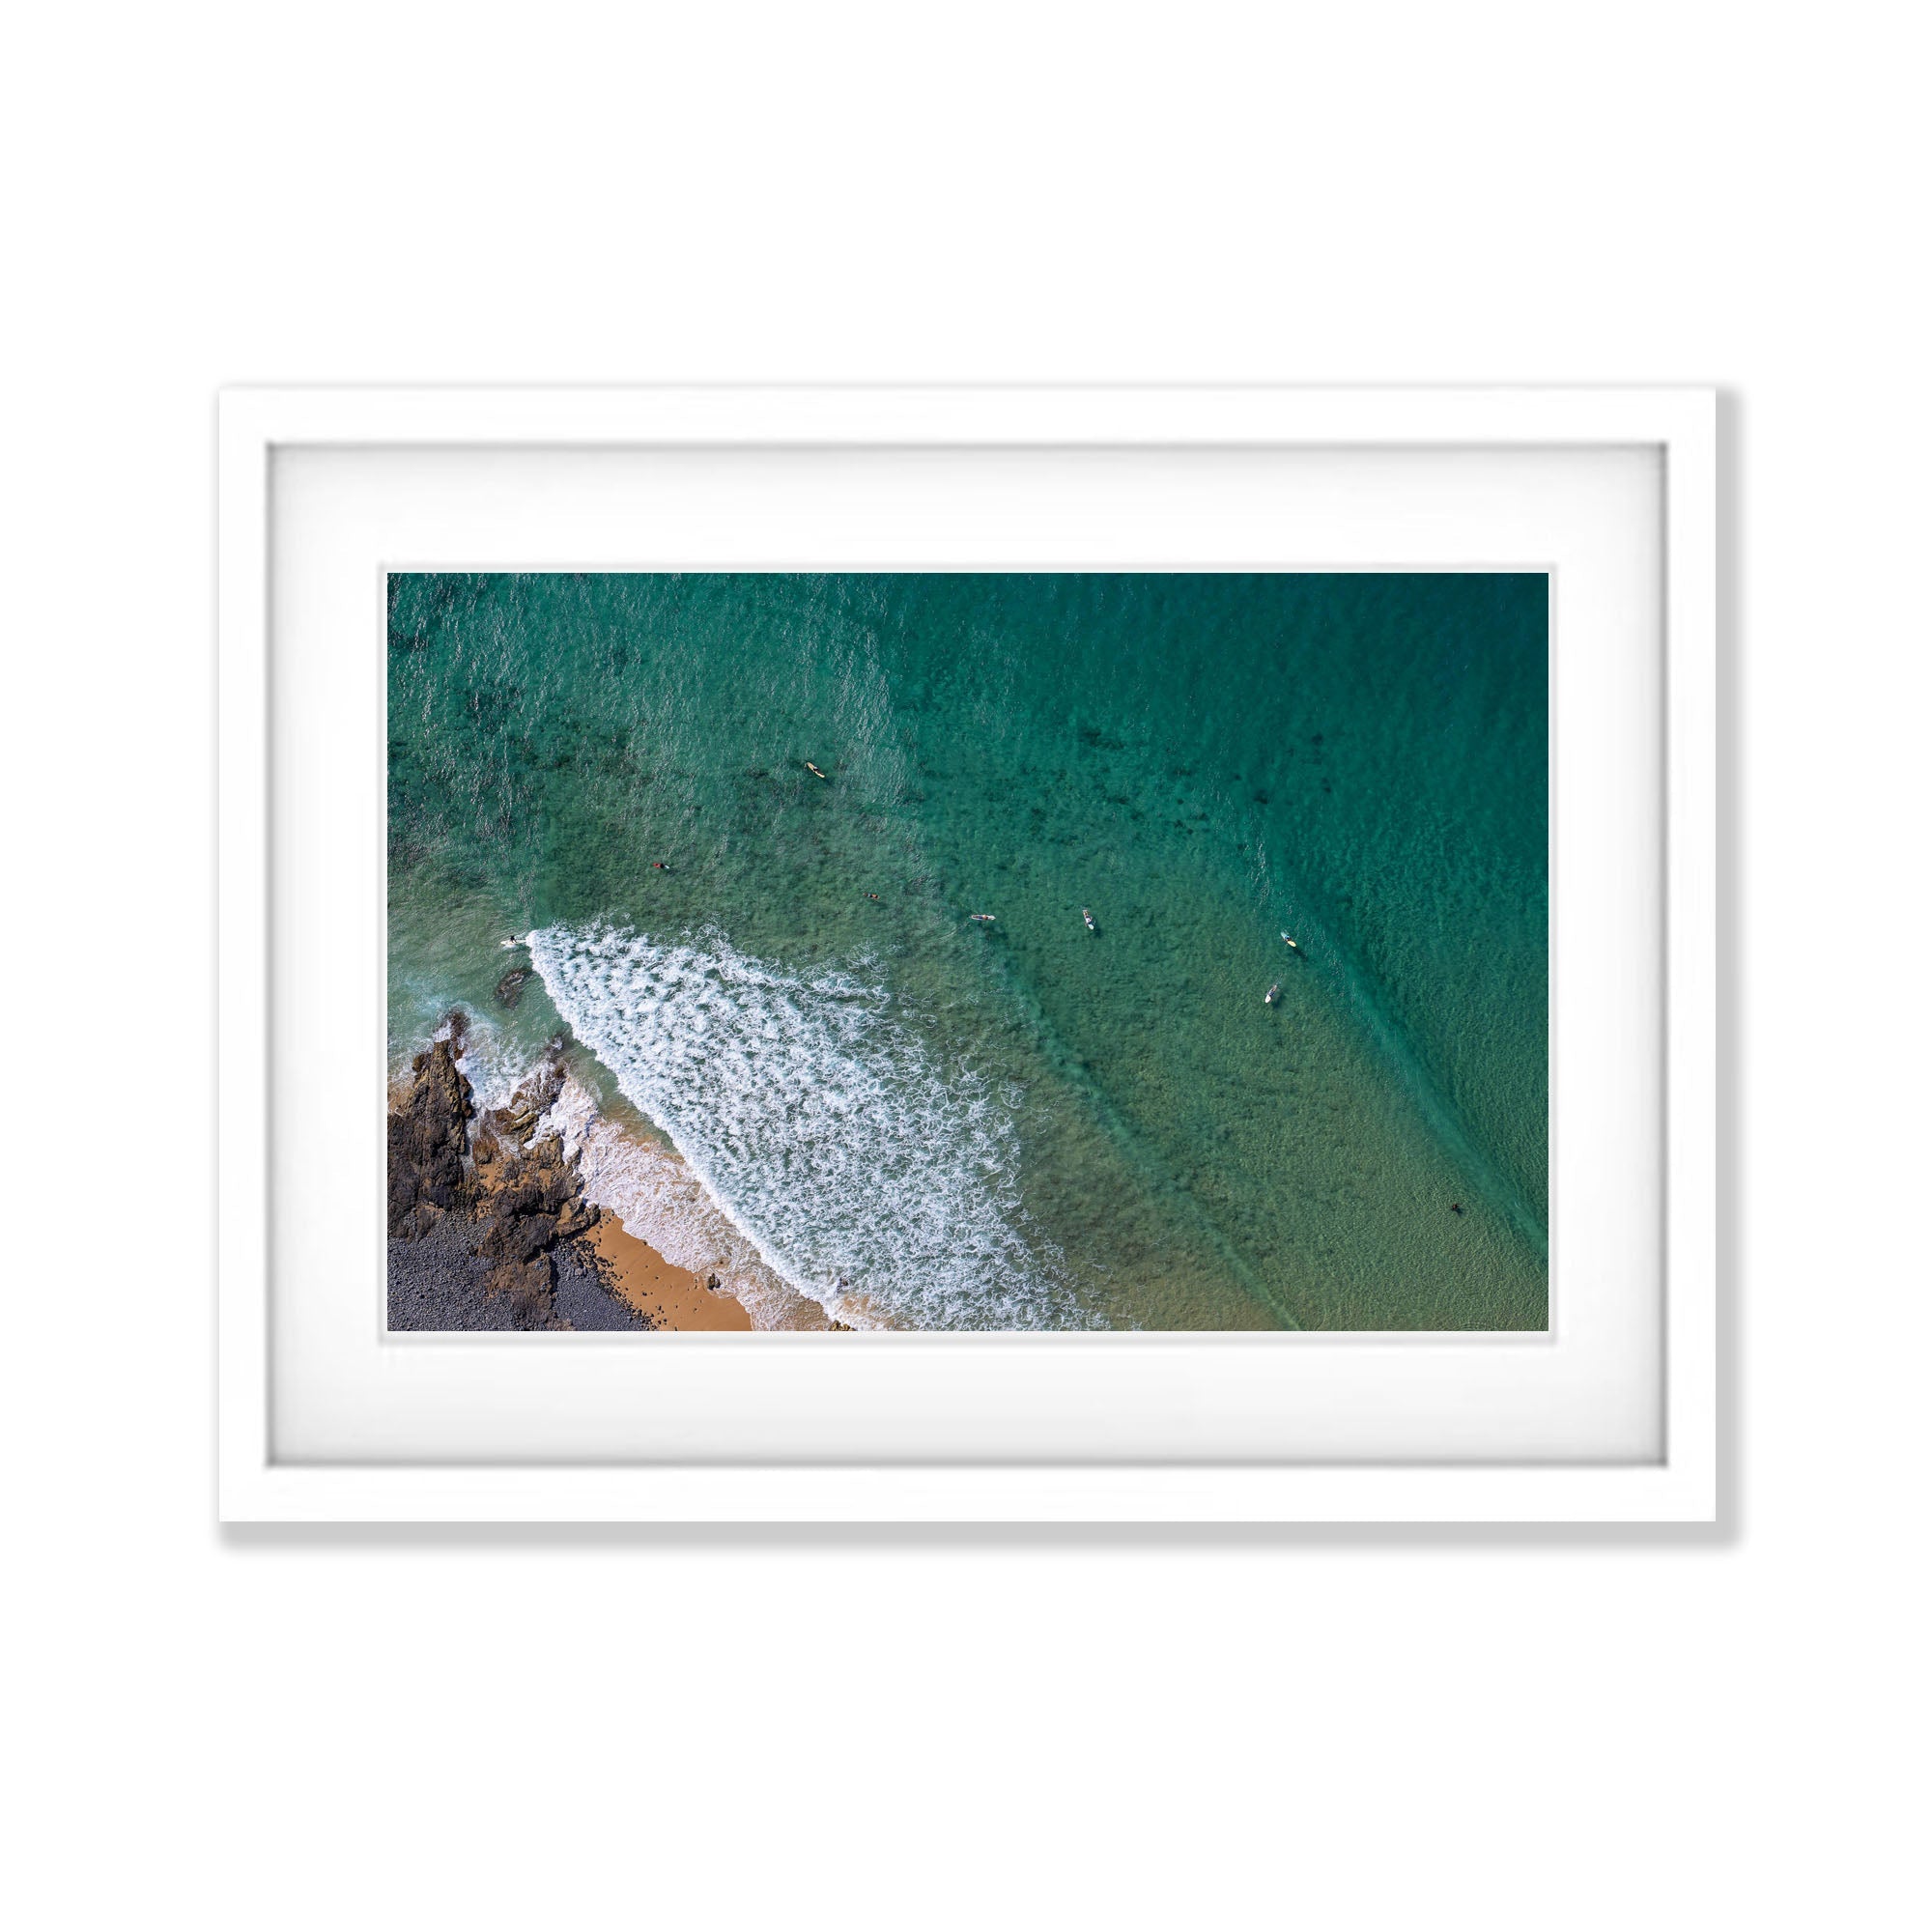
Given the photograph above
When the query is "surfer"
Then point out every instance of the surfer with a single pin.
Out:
(814, 771)
(511, 944)
(1272, 994)
(1290, 944)
(985, 917)
(1088, 917)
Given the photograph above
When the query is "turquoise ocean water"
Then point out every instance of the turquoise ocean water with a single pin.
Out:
(1026, 1122)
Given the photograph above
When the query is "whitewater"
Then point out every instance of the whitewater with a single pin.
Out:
(869, 1174)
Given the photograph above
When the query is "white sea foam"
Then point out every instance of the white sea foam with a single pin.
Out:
(493, 1064)
(872, 1178)
(654, 1193)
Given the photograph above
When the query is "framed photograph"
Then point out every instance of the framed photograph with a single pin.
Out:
(968, 954)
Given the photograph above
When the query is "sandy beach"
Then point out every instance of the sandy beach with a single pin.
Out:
(522, 1216)
(667, 1236)
(665, 1297)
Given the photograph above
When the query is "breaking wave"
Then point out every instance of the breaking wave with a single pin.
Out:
(656, 1196)
(872, 1176)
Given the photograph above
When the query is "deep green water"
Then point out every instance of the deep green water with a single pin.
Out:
(1025, 1123)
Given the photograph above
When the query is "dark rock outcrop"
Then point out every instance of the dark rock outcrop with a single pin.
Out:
(519, 1199)
(510, 987)
(438, 1286)
(527, 1287)
(429, 1138)
(530, 1200)
(529, 1195)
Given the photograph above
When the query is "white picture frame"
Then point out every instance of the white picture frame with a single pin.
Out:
(564, 1477)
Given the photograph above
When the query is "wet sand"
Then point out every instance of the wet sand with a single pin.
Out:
(665, 1297)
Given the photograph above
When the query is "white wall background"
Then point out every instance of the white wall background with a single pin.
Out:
(420, 1730)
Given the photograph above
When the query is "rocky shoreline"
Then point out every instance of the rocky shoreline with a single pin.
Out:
(487, 1220)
